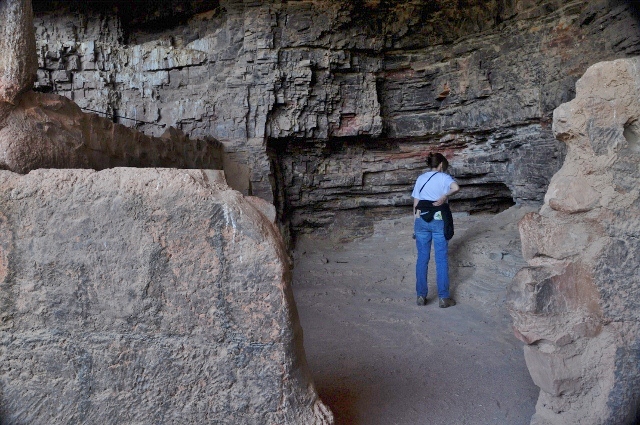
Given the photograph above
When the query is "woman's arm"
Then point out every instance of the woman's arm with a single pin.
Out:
(453, 189)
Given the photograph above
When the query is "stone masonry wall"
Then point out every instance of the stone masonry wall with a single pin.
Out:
(44, 130)
(292, 89)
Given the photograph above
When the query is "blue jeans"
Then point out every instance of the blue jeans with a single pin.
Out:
(425, 232)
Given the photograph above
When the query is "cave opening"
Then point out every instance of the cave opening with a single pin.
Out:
(344, 207)
(440, 73)
(345, 185)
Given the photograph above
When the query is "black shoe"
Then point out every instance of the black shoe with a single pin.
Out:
(447, 302)
(422, 300)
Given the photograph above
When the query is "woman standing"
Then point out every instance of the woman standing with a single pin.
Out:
(433, 221)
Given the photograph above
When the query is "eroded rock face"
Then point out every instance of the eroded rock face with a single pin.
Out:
(333, 105)
(50, 131)
(576, 305)
(18, 60)
(145, 296)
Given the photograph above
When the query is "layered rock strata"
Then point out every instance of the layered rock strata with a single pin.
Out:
(576, 305)
(333, 105)
(135, 295)
(50, 131)
(145, 296)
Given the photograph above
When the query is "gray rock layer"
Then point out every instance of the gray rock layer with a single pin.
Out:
(576, 305)
(145, 296)
(333, 105)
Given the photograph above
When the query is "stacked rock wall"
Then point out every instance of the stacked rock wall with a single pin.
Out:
(50, 131)
(354, 92)
(576, 305)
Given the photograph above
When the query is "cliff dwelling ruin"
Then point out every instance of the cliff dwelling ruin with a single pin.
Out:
(186, 185)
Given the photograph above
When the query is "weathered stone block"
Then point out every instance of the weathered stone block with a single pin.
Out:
(552, 372)
(572, 195)
(145, 296)
(578, 298)
(542, 236)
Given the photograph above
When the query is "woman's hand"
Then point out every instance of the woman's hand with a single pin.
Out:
(441, 201)
(453, 188)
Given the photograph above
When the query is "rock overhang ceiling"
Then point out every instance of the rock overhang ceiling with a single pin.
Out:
(332, 106)
(445, 19)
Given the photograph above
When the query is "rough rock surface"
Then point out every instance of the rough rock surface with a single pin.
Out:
(333, 105)
(577, 303)
(50, 131)
(18, 60)
(145, 296)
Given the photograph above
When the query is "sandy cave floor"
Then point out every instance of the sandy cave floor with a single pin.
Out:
(378, 358)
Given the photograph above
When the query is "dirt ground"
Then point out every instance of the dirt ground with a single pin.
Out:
(378, 358)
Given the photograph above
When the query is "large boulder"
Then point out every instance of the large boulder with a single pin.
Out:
(145, 296)
(18, 60)
(577, 304)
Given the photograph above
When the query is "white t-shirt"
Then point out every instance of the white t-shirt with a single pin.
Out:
(439, 185)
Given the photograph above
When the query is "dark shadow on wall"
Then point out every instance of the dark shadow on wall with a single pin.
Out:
(150, 16)
(634, 6)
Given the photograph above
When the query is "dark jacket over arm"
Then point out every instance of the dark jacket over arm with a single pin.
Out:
(428, 210)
